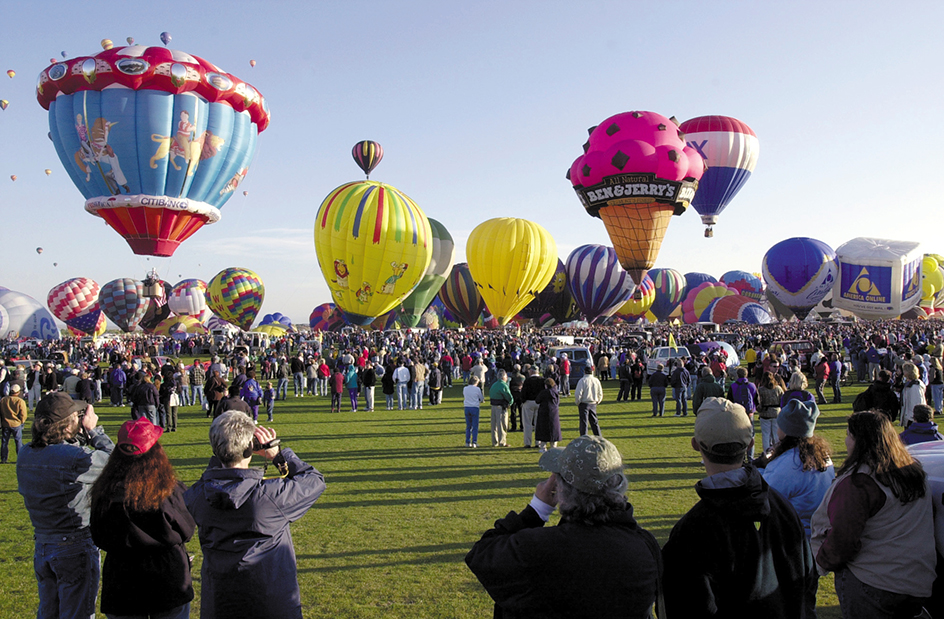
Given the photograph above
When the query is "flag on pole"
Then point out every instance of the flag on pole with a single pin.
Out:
(672, 343)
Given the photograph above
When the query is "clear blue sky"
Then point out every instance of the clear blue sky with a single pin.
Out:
(482, 106)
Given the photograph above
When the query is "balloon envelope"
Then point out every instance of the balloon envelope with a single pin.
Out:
(73, 298)
(236, 296)
(746, 284)
(156, 139)
(641, 301)
(367, 154)
(326, 317)
(799, 273)
(188, 297)
(461, 296)
(555, 303)
(374, 245)
(511, 260)
(635, 173)
(730, 149)
(599, 285)
(124, 303)
(440, 265)
(878, 278)
(699, 299)
(22, 316)
(670, 288)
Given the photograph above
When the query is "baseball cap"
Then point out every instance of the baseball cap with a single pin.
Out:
(15, 388)
(722, 422)
(586, 463)
(57, 405)
(138, 436)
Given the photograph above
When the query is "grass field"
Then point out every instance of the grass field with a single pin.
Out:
(406, 499)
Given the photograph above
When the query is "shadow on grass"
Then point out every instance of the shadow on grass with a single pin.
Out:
(441, 553)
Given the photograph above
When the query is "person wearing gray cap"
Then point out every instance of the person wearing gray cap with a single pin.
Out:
(597, 562)
(55, 473)
(741, 550)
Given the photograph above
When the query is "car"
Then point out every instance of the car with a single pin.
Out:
(578, 356)
(803, 349)
(662, 355)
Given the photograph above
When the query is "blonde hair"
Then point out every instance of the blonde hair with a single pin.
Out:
(797, 382)
(910, 371)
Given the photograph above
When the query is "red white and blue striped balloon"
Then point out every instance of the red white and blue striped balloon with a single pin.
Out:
(599, 284)
(730, 149)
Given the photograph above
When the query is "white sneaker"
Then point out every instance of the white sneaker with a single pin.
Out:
(474, 445)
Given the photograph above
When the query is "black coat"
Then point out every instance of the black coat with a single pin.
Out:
(547, 425)
(146, 567)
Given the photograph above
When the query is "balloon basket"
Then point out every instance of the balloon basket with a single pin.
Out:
(709, 233)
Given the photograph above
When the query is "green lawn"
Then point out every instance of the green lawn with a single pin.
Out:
(406, 499)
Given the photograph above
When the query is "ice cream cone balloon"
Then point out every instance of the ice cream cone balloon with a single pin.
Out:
(635, 173)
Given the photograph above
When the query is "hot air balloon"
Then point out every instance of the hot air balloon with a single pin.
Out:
(245, 193)
(730, 149)
(3, 104)
(367, 154)
(165, 38)
(73, 298)
(735, 307)
(746, 284)
(440, 265)
(188, 298)
(698, 299)
(599, 285)
(373, 245)
(670, 290)
(693, 280)
(555, 303)
(511, 260)
(273, 329)
(11, 73)
(799, 273)
(130, 40)
(277, 318)
(47, 171)
(641, 301)
(385, 322)
(39, 250)
(22, 316)
(13, 177)
(932, 282)
(107, 44)
(93, 323)
(180, 326)
(124, 303)
(461, 296)
(326, 317)
(236, 295)
(156, 139)
(878, 278)
(55, 264)
(635, 173)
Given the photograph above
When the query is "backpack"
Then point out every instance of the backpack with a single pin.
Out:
(742, 395)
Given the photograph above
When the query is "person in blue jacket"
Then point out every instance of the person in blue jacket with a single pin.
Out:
(249, 567)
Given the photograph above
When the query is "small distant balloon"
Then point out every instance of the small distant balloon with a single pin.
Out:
(252, 63)
(3, 104)
(39, 250)
(13, 177)
(48, 171)
(11, 73)
(52, 61)
(55, 264)
(107, 44)
(165, 38)
(245, 193)
(130, 40)
(367, 154)
(64, 54)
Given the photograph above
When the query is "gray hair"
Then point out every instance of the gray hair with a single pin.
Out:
(473, 380)
(502, 375)
(797, 382)
(584, 507)
(230, 436)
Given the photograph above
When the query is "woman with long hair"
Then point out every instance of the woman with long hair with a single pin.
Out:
(139, 518)
(875, 526)
(769, 392)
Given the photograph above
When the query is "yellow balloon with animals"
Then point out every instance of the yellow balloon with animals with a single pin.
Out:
(373, 244)
(511, 260)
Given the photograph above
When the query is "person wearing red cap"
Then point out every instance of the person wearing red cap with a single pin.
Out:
(55, 473)
(140, 520)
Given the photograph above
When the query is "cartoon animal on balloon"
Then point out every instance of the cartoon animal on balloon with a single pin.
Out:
(398, 270)
(341, 272)
(364, 293)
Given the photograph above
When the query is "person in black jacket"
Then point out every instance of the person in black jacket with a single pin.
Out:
(658, 382)
(597, 562)
(879, 396)
(741, 551)
(139, 518)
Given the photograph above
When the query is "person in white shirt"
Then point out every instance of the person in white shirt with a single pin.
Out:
(587, 395)
(472, 399)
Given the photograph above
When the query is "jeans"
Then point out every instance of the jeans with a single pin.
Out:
(681, 404)
(937, 397)
(312, 385)
(389, 397)
(298, 384)
(837, 392)
(149, 411)
(403, 395)
(820, 396)
(623, 391)
(281, 389)
(658, 400)
(17, 435)
(588, 418)
(322, 385)
(196, 395)
(270, 409)
(181, 612)
(861, 601)
(352, 393)
(471, 425)
(416, 396)
(768, 432)
(185, 396)
(67, 572)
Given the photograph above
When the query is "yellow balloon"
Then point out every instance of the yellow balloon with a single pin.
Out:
(272, 330)
(638, 307)
(107, 44)
(931, 279)
(511, 261)
(373, 245)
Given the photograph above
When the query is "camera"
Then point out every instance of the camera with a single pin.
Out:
(257, 446)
